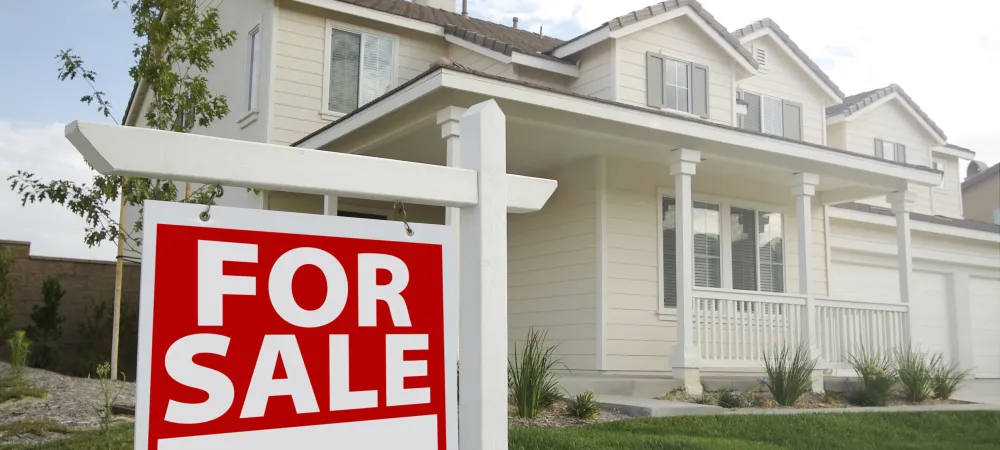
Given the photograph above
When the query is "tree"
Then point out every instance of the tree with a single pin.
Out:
(177, 40)
(47, 328)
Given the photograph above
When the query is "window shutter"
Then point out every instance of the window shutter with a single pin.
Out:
(699, 90)
(901, 153)
(752, 120)
(669, 253)
(878, 149)
(744, 245)
(654, 80)
(792, 120)
(345, 64)
(376, 68)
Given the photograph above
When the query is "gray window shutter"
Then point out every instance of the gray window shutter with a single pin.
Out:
(878, 149)
(792, 120)
(752, 120)
(901, 153)
(699, 90)
(654, 80)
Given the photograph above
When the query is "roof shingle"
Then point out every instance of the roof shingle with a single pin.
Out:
(854, 103)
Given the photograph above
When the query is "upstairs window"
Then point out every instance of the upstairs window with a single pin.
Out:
(677, 85)
(891, 151)
(771, 115)
(360, 67)
(940, 166)
(253, 68)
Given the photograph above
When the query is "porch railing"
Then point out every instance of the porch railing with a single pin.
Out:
(844, 326)
(733, 328)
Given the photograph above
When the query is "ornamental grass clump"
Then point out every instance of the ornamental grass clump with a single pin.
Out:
(531, 376)
(584, 406)
(876, 376)
(916, 373)
(788, 374)
(946, 378)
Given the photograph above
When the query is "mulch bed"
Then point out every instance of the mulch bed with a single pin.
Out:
(762, 399)
(557, 416)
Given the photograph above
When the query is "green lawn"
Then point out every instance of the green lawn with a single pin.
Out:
(960, 430)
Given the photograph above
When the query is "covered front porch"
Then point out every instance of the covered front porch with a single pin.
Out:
(672, 247)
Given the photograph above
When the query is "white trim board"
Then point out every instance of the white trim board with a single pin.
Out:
(927, 227)
(378, 16)
(950, 151)
(517, 58)
(798, 61)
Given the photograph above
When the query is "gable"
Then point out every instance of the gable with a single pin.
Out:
(781, 74)
(768, 28)
(891, 121)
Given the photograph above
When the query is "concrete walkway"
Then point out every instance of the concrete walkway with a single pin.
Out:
(647, 407)
(980, 391)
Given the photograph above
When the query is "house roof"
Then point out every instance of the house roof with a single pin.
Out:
(767, 23)
(858, 102)
(981, 176)
(960, 223)
(488, 34)
(656, 9)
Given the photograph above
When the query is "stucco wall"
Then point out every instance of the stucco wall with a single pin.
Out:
(981, 199)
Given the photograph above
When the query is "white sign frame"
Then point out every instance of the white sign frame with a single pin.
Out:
(157, 213)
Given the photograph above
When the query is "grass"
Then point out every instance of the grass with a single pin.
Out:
(21, 391)
(36, 427)
(965, 430)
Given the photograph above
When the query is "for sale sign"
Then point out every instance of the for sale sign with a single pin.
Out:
(268, 330)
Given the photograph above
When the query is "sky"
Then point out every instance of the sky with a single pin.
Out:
(946, 57)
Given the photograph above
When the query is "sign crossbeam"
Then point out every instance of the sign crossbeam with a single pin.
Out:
(144, 152)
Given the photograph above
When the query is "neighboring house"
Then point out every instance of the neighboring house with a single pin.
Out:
(981, 193)
(799, 213)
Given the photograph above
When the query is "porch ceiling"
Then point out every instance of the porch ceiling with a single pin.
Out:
(539, 138)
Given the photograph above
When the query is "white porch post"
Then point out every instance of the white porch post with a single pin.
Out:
(804, 188)
(483, 301)
(330, 205)
(450, 120)
(685, 361)
(902, 205)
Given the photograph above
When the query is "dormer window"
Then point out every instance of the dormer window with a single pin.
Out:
(359, 67)
(892, 151)
(676, 85)
(771, 115)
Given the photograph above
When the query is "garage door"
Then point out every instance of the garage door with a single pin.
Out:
(862, 282)
(985, 306)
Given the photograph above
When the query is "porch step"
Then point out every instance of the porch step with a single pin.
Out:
(644, 407)
(617, 385)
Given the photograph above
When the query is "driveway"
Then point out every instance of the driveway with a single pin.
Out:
(980, 391)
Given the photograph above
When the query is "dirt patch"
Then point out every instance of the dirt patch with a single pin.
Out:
(557, 416)
(762, 399)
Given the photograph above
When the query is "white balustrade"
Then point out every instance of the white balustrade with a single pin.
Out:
(735, 328)
(845, 326)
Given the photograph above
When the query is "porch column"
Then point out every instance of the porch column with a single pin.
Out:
(451, 131)
(804, 188)
(330, 205)
(902, 205)
(685, 361)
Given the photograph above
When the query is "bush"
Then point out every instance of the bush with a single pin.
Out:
(20, 348)
(584, 406)
(789, 375)
(915, 374)
(876, 377)
(705, 399)
(730, 399)
(95, 338)
(946, 378)
(6, 293)
(47, 328)
(531, 376)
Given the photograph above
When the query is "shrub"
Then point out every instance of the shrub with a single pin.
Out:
(20, 348)
(110, 390)
(705, 399)
(6, 293)
(730, 399)
(47, 328)
(531, 377)
(95, 338)
(789, 375)
(946, 378)
(915, 374)
(584, 406)
(876, 376)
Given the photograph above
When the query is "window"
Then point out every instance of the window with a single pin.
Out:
(940, 166)
(707, 248)
(757, 242)
(891, 151)
(253, 68)
(359, 68)
(771, 115)
(677, 85)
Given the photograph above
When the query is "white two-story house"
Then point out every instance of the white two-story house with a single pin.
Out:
(718, 193)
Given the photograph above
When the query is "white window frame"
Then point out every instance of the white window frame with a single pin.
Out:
(688, 88)
(331, 25)
(885, 154)
(251, 89)
(725, 203)
(937, 165)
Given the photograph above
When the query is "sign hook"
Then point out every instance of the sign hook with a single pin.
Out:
(399, 209)
(216, 193)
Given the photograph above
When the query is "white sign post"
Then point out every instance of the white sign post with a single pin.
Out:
(481, 188)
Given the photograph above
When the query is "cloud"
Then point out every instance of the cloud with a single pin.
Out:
(51, 229)
(946, 56)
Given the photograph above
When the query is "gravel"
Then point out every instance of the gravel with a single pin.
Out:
(557, 416)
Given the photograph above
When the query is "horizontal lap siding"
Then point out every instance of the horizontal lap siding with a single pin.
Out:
(638, 340)
(947, 200)
(552, 269)
(480, 62)
(298, 80)
(596, 67)
(681, 39)
(781, 77)
(891, 122)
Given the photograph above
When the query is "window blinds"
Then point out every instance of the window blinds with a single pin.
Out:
(744, 244)
(376, 67)
(345, 63)
(771, 241)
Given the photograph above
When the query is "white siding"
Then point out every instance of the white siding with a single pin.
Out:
(637, 339)
(596, 67)
(891, 122)
(299, 65)
(680, 39)
(552, 270)
(781, 77)
(946, 200)
(480, 62)
(542, 78)
(313, 204)
(836, 136)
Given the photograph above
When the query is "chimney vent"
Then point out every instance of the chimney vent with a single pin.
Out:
(515, 22)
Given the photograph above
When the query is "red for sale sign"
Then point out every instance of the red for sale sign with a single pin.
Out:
(268, 330)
